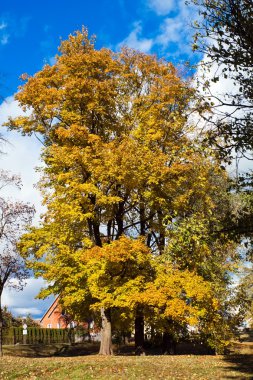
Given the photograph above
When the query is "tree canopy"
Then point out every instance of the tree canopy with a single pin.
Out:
(122, 165)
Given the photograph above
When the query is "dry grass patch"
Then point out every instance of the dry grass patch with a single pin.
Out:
(123, 367)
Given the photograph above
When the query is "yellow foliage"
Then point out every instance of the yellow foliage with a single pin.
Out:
(120, 165)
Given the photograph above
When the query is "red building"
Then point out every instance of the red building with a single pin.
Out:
(54, 317)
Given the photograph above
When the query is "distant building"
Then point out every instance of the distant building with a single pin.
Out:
(54, 317)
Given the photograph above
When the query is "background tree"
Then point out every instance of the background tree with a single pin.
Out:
(10, 320)
(14, 217)
(224, 35)
(246, 293)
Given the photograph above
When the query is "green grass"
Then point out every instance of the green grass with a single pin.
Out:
(127, 367)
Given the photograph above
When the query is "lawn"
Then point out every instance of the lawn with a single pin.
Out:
(127, 367)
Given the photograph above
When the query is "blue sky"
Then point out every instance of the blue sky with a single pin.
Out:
(30, 33)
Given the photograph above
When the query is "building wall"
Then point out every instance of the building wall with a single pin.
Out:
(53, 318)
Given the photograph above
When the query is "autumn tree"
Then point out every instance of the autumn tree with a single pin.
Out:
(10, 320)
(127, 277)
(14, 217)
(119, 159)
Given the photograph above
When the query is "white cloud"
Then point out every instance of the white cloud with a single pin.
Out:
(52, 60)
(9, 107)
(135, 41)
(21, 156)
(222, 86)
(24, 302)
(177, 30)
(3, 25)
(162, 7)
(222, 90)
(4, 39)
(23, 312)
(171, 30)
(173, 36)
(12, 27)
(4, 36)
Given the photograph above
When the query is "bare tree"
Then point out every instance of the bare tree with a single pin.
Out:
(14, 217)
(224, 35)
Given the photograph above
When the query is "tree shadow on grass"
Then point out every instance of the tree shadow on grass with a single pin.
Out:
(243, 364)
(42, 351)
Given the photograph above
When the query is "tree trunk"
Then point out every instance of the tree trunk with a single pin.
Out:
(1, 338)
(168, 344)
(106, 333)
(139, 332)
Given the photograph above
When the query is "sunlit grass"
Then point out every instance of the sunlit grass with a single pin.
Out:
(122, 367)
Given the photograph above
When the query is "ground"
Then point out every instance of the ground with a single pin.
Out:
(79, 362)
(127, 367)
